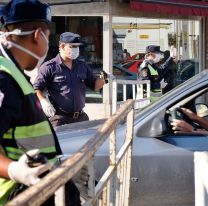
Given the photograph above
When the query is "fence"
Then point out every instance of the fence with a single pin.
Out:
(134, 89)
(113, 186)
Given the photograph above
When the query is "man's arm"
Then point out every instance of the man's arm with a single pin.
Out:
(166, 64)
(182, 126)
(99, 84)
(93, 82)
(4, 163)
(20, 171)
(39, 86)
(48, 108)
(202, 122)
(40, 94)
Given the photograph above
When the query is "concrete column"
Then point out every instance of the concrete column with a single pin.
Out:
(206, 42)
(202, 44)
(107, 61)
(201, 178)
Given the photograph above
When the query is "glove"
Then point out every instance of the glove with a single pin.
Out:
(48, 108)
(163, 84)
(144, 63)
(20, 172)
(104, 76)
(173, 52)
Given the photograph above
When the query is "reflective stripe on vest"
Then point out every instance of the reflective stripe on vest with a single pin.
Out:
(33, 130)
(6, 187)
(153, 71)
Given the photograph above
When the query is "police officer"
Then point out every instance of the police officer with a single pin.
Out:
(24, 128)
(65, 78)
(150, 69)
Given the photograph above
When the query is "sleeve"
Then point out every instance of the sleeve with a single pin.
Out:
(42, 78)
(166, 64)
(91, 79)
(11, 103)
(165, 67)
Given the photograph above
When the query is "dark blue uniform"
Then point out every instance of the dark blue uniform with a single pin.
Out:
(11, 103)
(66, 87)
(163, 71)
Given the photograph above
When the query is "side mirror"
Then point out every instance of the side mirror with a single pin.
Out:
(201, 110)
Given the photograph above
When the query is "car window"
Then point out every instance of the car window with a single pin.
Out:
(157, 123)
(191, 141)
(118, 72)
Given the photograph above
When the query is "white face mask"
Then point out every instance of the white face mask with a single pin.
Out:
(9, 44)
(73, 53)
(157, 58)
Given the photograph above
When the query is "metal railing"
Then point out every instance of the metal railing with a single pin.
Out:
(112, 188)
(137, 90)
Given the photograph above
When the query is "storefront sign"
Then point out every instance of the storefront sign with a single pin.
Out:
(144, 36)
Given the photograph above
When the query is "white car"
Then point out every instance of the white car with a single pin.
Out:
(162, 165)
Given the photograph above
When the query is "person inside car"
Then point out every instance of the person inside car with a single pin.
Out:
(182, 126)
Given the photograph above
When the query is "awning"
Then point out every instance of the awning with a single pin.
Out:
(176, 7)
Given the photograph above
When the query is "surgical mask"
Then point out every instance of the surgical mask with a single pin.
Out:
(9, 44)
(74, 53)
(157, 58)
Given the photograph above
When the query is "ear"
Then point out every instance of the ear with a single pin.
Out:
(61, 45)
(37, 35)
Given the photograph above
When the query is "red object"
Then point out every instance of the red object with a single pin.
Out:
(133, 65)
(137, 56)
(177, 7)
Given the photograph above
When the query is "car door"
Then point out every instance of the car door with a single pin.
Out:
(163, 166)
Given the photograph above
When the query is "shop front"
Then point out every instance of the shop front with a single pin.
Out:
(109, 27)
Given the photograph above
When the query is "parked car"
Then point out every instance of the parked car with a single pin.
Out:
(137, 56)
(162, 161)
(133, 65)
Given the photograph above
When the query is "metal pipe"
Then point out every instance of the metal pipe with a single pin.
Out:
(193, 5)
(74, 2)
(67, 2)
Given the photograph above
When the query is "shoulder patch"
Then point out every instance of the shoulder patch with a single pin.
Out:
(1, 97)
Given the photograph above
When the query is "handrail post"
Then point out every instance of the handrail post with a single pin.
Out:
(114, 96)
(60, 196)
(129, 137)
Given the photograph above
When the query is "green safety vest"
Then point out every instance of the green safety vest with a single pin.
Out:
(32, 131)
(153, 71)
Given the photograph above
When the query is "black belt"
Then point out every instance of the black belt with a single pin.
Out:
(74, 115)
